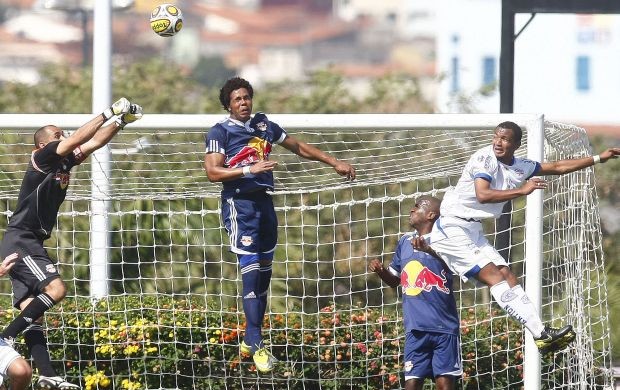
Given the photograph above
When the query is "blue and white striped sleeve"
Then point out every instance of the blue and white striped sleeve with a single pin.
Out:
(216, 140)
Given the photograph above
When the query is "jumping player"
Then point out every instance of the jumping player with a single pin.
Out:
(492, 177)
(237, 154)
(432, 342)
(37, 285)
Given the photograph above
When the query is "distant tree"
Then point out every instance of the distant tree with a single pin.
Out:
(211, 71)
(158, 86)
(62, 89)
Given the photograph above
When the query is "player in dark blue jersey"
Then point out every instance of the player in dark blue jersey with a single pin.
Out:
(432, 342)
(36, 283)
(237, 155)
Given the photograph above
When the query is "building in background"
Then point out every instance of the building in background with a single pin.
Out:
(565, 65)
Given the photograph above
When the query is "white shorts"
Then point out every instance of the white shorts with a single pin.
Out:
(463, 246)
(7, 356)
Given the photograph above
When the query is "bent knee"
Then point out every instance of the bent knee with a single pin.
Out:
(20, 369)
(56, 289)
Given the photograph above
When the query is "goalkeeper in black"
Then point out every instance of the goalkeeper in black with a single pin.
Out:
(36, 283)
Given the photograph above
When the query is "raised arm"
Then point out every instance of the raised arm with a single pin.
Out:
(105, 134)
(567, 166)
(87, 131)
(310, 152)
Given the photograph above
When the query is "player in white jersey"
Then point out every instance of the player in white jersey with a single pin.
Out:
(492, 177)
(12, 365)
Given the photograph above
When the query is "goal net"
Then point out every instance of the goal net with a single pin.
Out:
(172, 318)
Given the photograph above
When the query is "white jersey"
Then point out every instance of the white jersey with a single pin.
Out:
(461, 201)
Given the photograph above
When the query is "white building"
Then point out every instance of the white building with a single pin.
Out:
(566, 65)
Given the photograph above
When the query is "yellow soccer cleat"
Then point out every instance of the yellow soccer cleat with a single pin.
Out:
(244, 348)
(263, 359)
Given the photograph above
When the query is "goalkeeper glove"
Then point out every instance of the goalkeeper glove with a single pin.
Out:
(121, 106)
(135, 113)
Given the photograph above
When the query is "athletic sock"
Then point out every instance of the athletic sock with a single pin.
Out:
(37, 346)
(35, 309)
(250, 277)
(265, 279)
(518, 305)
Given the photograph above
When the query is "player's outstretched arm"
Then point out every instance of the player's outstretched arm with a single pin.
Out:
(105, 135)
(377, 267)
(85, 132)
(567, 166)
(310, 152)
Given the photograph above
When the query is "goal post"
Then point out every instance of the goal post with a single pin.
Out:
(173, 288)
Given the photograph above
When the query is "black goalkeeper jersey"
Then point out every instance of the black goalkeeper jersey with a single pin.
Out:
(44, 189)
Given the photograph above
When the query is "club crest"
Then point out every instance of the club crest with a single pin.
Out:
(261, 126)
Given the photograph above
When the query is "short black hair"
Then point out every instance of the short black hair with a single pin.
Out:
(42, 135)
(516, 129)
(233, 84)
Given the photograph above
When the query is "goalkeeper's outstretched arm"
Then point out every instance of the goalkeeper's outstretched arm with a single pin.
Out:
(105, 134)
(87, 131)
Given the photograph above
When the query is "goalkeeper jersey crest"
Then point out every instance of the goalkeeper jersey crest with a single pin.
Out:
(244, 144)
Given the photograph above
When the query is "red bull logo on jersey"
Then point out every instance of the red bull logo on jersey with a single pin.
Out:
(415, 278)
(62, 178)
(257, 149)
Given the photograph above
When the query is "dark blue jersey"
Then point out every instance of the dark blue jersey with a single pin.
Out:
(244, 144)
(428, 299)
(43, 190)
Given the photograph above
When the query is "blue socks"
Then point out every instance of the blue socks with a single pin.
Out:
(256, 280)
(250, 275)
(265, 279)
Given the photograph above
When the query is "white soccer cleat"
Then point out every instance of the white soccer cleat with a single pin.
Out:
(7, 342)
(55, 383)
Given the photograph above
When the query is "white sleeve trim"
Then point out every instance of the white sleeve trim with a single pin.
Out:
(282, 137)
(393, 271)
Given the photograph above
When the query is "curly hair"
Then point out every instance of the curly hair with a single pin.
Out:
(233, 84)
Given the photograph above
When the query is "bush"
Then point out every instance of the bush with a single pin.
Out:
(138, 343)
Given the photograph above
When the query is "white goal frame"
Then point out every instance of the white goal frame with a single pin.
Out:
(532, 124)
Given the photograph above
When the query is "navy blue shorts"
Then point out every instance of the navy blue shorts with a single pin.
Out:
(252, 226)
(33, 270)
(432, 354)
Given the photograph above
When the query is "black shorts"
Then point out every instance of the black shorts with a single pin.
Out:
(34, 268)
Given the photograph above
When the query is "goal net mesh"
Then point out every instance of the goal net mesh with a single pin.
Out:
(173, 318)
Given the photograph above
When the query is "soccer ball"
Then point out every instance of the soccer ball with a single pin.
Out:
(166, 20)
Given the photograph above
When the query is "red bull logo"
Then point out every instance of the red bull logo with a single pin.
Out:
(416, 278)
(62, 178)
(257, 149)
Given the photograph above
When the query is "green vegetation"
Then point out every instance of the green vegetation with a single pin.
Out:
(127, 343)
